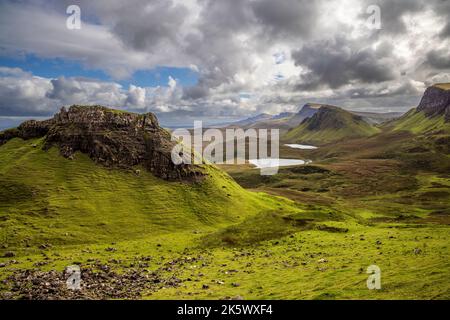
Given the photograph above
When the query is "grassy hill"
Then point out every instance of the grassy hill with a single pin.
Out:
(417, 122)
(330, 124)
(432, 116)
(379, 200)
(46, 198)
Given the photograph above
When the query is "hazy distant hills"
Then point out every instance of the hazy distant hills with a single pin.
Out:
(330, 124)
(378, 118)
(288, 120)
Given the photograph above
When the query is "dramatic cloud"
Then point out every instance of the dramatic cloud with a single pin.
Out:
(250, 55)
(439, 59)
(338, 62)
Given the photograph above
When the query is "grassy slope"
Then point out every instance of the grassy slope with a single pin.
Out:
(46, 198)
(327, 131)
(241, 239)
(417, 123)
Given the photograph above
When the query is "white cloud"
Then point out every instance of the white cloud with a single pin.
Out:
(235, 46)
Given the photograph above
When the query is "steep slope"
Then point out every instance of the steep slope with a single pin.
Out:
(431, 116)
(330, 124)
(307, 111)
(49, 197)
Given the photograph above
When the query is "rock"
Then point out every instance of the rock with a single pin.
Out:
(417, 251)
(322, 261)
(110, 137)
(235, 284)
(237, 298)
(205, 286)
(9, 254)
(2, 265)
(435, 102)
(95, 284)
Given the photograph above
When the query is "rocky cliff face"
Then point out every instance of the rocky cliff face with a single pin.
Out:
(436, 102)
(109, 137)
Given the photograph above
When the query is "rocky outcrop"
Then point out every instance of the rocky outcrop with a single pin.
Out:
(110, 137)
(436, 102)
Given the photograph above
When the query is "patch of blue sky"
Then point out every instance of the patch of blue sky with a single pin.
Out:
(56, 67)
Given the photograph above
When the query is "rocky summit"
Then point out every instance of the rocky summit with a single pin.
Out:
(436, 101)
(111, 137)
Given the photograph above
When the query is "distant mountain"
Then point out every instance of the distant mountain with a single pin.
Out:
(307, 111)
(432, 114)
(252, 120)
(378, 118)
(287, 120)
(283, 115)
(283, 121)
(330, 124)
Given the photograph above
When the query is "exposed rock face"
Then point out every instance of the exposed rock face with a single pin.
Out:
(109, 137)
(436, 102)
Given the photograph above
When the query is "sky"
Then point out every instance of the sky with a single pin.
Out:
(216, 60)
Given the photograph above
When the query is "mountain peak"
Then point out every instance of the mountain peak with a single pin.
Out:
(111, 137)
(311, 105)
(331, 117)
(330, 124)
(436, 101)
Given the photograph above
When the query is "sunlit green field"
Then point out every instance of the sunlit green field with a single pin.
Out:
(220, 241)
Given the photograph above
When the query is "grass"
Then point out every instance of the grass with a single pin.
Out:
(416, 122)
(328, 125)
(49, 199)
(360, 203)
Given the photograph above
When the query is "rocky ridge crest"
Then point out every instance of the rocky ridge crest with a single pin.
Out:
(436, 102)
(110, 137)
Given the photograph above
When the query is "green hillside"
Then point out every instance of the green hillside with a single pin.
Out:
(417, 122)
(46, 198)
(330, 124)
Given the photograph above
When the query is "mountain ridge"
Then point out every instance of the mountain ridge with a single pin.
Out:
(110, 137)
(329, 124)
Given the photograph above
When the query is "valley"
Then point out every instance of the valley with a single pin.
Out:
(374, 194)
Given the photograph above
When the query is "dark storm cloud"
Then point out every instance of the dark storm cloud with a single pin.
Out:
(445, 33)
(338, 62)
(291, 18)
(439, 59)
(148, 24)
(380, 91)
(231, 44)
